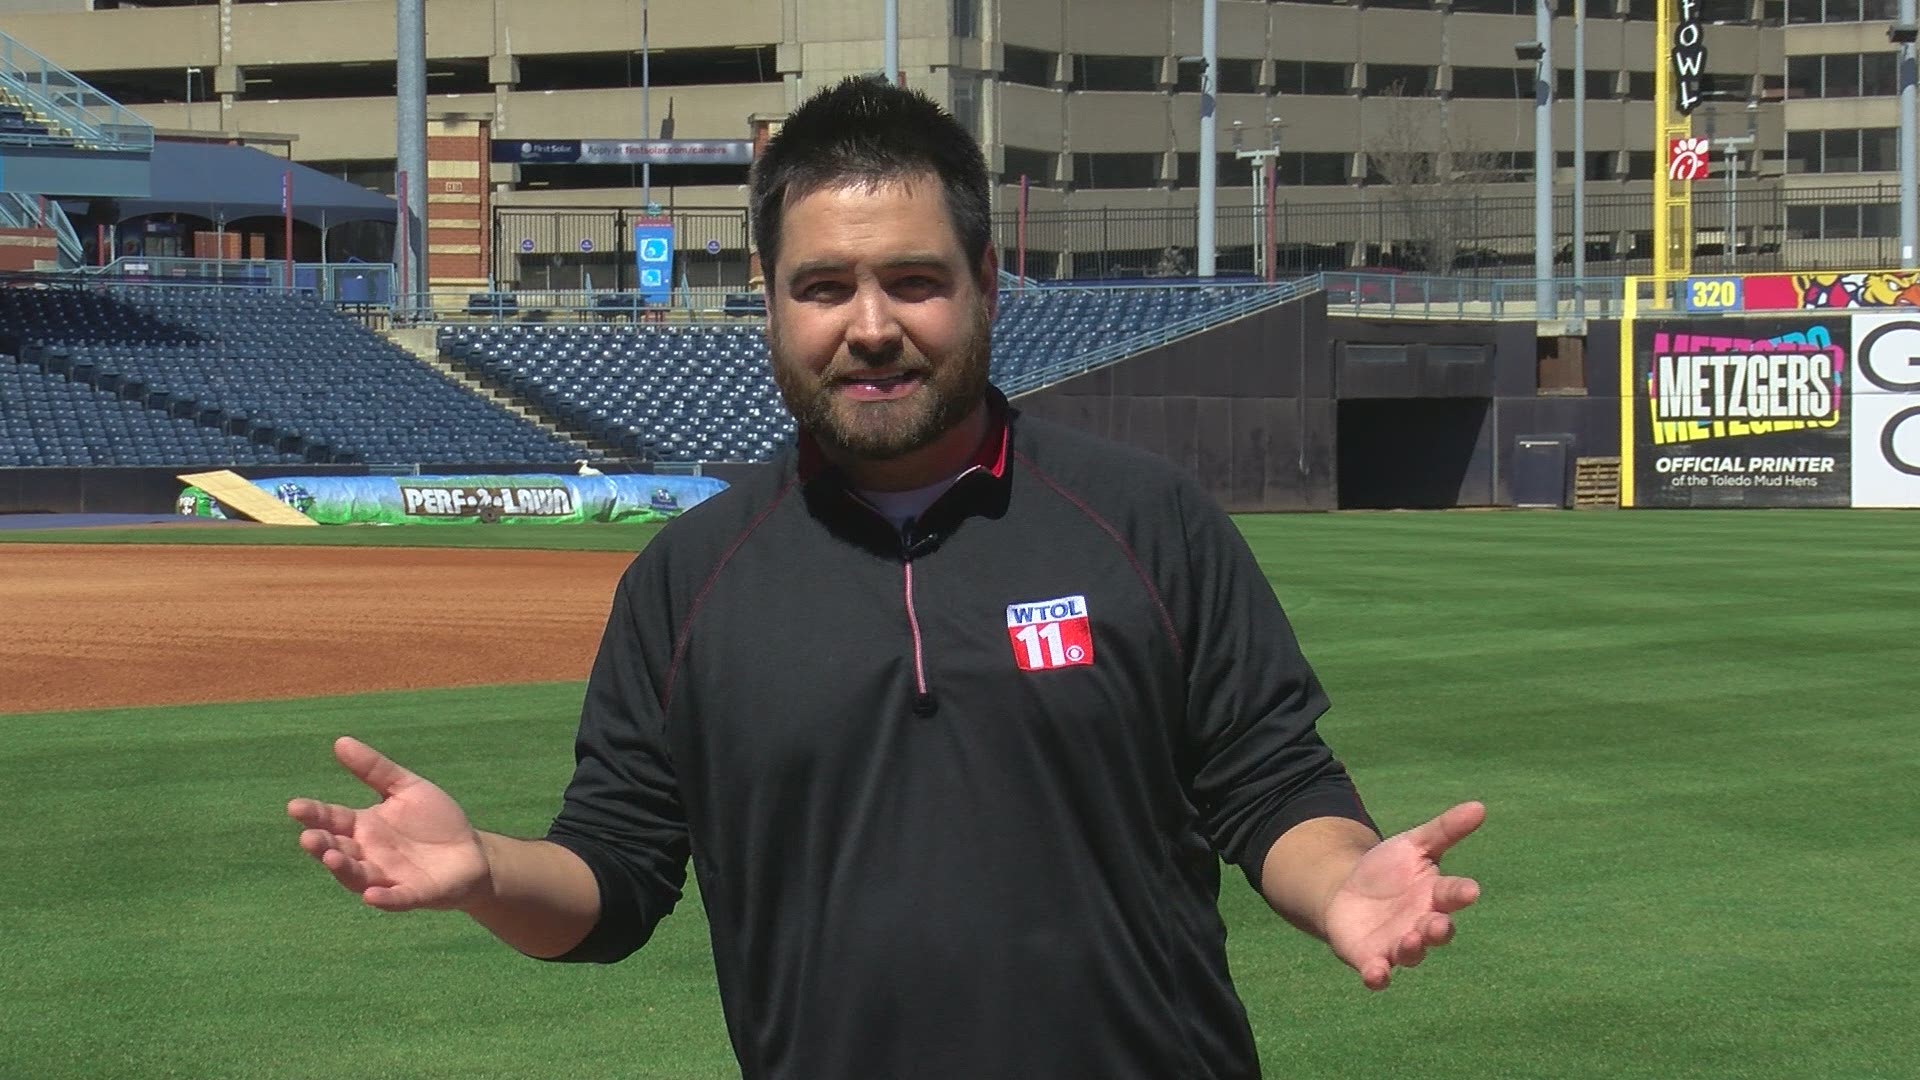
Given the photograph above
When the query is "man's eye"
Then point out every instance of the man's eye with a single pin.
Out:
(823, 290)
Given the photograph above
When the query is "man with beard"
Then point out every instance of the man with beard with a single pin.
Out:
(954, 711)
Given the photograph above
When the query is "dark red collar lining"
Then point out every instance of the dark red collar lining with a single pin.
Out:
(991, 457)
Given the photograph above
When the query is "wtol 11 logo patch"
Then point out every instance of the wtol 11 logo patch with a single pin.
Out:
(1050, 634)
(1886, 410)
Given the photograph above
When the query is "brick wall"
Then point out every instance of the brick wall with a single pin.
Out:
(458, 217)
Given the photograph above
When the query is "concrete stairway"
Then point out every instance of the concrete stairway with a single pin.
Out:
(419, 342)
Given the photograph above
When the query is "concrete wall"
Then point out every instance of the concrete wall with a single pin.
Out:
(1246, 408)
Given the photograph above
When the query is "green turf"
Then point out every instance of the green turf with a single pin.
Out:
(1695, 731)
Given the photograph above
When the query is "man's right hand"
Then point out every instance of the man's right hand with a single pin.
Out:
(412, 849)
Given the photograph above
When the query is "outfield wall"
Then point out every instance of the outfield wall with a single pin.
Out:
(1291, 409)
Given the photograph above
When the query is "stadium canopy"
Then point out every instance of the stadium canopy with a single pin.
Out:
(227, 183)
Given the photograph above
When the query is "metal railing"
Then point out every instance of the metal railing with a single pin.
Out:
(1757, 227)
(90, 116)
(349, 284)
(1417, 296)
(1368, 294)
(686, 304)
(369, 288)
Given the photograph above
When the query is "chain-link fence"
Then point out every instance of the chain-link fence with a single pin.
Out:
(1754, 228)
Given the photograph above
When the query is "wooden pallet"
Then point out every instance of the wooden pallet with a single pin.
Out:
(1596, 483)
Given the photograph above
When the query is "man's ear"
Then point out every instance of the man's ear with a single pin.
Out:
(990, 279)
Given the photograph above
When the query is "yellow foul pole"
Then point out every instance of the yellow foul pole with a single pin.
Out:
(1672, 202)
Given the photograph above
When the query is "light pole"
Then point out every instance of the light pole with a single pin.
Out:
(1209, 160)
(1732, 145)
(1735, 145)
(410, 142)
(1540, 51)
(646, 113)
(1266, 167)
(890, 48)
(1580, 153)
(1903, 33)
(191, 72)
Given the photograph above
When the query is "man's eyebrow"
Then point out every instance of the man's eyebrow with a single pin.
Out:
(914, 259)
(907, 261)
(816, 266)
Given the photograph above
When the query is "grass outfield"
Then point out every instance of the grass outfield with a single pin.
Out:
(1696, 733)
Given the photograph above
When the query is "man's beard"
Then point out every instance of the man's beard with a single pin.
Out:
(884, 430)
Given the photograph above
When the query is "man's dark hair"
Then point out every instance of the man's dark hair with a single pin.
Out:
(864, 131)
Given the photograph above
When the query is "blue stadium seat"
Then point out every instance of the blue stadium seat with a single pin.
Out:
(279, 375)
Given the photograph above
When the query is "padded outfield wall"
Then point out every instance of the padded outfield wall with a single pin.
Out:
(1795, 409)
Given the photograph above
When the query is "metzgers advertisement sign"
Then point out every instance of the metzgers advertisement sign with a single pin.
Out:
(1886, 410)
(1741, 412)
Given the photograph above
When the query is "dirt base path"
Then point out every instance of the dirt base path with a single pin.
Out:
(85, 627)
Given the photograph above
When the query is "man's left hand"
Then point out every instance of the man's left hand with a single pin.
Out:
(1396, 904)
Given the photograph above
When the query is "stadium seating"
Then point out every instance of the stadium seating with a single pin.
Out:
(15, 121)
(703, 393)
(283, 371)
(662, 393)
(45, 420)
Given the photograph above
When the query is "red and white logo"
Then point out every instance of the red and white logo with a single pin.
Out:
(1688, 159)
(1050, 634)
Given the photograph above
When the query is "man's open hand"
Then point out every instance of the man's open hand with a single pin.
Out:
(412, 849)
(1396, 904)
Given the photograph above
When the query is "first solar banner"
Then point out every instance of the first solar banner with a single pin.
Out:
(1731, 412)
(622, 152)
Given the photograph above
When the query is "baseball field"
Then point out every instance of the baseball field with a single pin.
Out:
(1698, 735)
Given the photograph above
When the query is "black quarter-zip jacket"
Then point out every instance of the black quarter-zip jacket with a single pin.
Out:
(956, 799)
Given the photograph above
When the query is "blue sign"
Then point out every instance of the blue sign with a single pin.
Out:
(526, 246)
(713, 247)
(586, 246)
(1713, 293)
(536, 152)
(653, 252)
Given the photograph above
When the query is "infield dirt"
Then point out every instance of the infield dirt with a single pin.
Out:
(87, 627)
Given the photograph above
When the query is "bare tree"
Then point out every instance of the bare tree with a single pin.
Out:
(1434, 176)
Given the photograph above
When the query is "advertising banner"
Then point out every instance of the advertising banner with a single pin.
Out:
(470, 500)
(1826, 291)
(623, 152)
(1886, 410)
(1730, 412)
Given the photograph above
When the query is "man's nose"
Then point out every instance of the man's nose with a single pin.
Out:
(873, 333)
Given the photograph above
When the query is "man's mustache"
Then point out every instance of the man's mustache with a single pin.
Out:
(861, 369)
